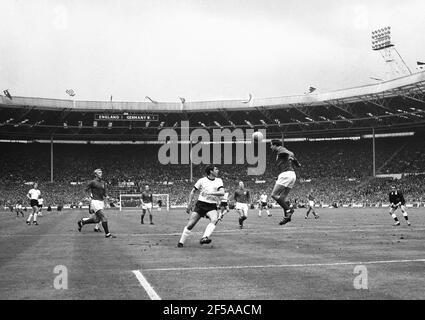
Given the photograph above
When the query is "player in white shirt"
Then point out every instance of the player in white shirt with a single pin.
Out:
(18, 208)
(34, 194)
(263, 205)
(224, 206)
(40, 207)
(211, 190)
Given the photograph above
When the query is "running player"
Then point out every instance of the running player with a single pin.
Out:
(211, 189)
(397, 201)
(97, 189)
(147, 201)
(18, 208)
(224, 205)
(310, 206)
(262, 204)
(242, 197)
(33, 195)
(285, 161)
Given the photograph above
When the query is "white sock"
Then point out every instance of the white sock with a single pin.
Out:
(209, 230)
(35, 217)
(259, 213)
(186, 232)
(29, 218)
(268, 212)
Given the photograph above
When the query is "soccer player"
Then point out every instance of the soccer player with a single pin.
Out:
(97, 189)
(33, 195)
(285, 161)
(211, 189)
(224, 206)
(242, 197)
(262, 204)
(18, 209)
(147, 201)
(310, 206)
(40, 206)
(397, 201)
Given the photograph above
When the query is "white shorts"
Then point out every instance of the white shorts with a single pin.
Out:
(286, 179)
(242, 206)
(311, 203)
(147, 206)
(96, 205)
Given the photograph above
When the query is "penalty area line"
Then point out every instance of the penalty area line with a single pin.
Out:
(146, 285)
(299, 265)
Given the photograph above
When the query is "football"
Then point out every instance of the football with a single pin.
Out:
(257, 136)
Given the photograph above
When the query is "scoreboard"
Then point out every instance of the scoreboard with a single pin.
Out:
(126, 117)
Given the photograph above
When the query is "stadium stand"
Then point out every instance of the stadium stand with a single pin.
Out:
(337, 171)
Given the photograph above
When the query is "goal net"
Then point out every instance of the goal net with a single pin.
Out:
(134, 201)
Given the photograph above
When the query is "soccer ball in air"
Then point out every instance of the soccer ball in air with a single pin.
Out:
(257, 136)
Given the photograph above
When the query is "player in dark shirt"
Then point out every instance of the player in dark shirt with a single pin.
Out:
(310, 206)
(242, 197)
(285, 162)
(97, 190)
(147, 201)
(397, 201)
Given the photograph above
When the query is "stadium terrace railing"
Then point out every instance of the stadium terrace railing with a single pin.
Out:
(412, 83)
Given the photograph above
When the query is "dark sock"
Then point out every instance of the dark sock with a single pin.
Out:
(406, 217)
(284, 204)
(150, 218)
(142, 217)
(105, 227)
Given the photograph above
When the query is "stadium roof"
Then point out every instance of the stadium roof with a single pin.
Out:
(388, 106)
(411, 84)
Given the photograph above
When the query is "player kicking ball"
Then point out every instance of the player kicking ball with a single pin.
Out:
(210, 191)
(285, 161)
(397, 201)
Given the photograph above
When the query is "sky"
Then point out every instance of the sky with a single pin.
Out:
(199, 49)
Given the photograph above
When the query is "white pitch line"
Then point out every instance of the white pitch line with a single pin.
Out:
(230, 231)
(300, 265)
(146, 285)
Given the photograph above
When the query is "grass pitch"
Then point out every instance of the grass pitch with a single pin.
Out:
(305, 259)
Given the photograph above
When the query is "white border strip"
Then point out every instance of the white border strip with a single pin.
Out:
(288, 265)
(145, 284)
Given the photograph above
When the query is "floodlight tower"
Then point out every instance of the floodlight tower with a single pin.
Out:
(381, 41)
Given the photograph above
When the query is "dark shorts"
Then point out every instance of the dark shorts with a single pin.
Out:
(223, 204)
(263, 205)
(40, 206)
(202, 208)
(34, 203)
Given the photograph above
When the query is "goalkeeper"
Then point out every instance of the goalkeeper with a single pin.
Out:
(397, 201)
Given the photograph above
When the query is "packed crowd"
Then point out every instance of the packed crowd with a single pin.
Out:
(334, 171)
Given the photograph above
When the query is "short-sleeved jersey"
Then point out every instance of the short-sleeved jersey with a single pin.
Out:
(242, 195)
(40, 201)
(285, 160)
(97, 189)
(34, 194)
(207, 185)
(225, 198)
(263, 198)
(396, 197)
(147, 197)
